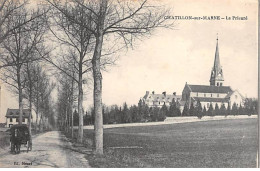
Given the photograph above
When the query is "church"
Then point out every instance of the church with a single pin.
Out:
(214, 93)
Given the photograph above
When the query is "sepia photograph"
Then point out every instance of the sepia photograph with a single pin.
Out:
(129, 84)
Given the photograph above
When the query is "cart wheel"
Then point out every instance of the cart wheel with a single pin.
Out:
(28, 146)
(12, 147)
(18, 146)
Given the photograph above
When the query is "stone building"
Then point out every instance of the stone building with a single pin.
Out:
(158, 100)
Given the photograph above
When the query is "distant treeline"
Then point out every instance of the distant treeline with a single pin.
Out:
(142, 113)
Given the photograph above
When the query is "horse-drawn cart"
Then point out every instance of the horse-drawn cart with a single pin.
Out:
(20, 136)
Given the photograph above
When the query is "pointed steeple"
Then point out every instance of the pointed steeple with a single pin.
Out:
(216, 77)
(217, 61)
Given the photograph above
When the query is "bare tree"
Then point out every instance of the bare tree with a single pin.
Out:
(123, 21)
(8, 11)
(8, 8)
(20, 47)
(45, 88)
(79, 44)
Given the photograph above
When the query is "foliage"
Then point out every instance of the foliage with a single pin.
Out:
(185, 111)
(210, 110)
(198, 110)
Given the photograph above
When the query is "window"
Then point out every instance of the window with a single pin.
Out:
(217, 84)
(159, 102)
(211, 95)
(197, 94)
(207, 105)
(11, 119)
(164, 103)
(218, 95)
(23, 119)
(204, 94)
(17, 120)
(220, 84)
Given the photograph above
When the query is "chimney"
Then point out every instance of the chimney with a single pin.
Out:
(164, 93)
(174, 93)
(153, 92)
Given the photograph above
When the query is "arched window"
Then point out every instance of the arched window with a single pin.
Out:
(217, 84)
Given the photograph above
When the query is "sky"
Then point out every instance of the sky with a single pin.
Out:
(170, 58)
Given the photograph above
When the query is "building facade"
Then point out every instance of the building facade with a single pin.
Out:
(158, 100)
(12, 117)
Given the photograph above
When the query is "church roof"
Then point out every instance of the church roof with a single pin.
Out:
(210, 99)
(210, 89)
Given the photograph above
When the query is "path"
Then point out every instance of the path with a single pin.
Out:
(50, 149)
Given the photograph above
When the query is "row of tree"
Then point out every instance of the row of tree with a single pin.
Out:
(249, 108)
(22, 38)
(142, 113)
(89, 34)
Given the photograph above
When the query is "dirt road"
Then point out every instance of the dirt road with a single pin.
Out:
(50, 149)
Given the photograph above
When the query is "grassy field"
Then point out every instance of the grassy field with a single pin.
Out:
(225, 143)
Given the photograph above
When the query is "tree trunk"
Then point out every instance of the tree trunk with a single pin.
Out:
(20, 95)
(71, 105)
(40, 125)
(30, 100)
(37, 111)
(30, 116)
(98, 125)
(80, 108)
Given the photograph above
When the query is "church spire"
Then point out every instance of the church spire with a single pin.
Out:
(216, 78)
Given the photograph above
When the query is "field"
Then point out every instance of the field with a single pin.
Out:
(224, 143)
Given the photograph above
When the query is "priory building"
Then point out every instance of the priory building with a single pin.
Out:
(214, 93)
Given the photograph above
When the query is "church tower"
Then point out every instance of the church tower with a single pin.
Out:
(216, 77)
